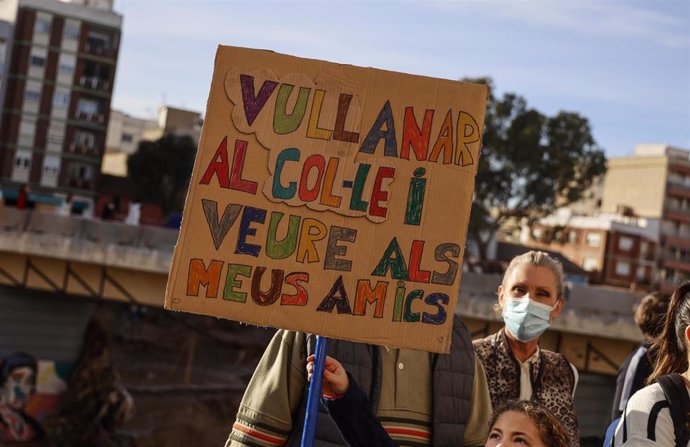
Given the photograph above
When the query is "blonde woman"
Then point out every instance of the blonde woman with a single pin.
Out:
(530, 297)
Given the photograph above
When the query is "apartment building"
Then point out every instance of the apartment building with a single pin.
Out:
(125, 132)
(616, 249)
(5, 40)
(60, 70)
(655, 183)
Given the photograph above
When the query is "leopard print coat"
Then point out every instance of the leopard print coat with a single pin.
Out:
(553, 380)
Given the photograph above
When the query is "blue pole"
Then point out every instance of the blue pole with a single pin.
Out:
(314, 396)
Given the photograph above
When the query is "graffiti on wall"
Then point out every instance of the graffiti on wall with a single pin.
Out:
(30, 390)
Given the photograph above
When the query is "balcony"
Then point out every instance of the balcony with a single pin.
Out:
(677, 213)
(96, 118)
(99, 49)
(94, 83)
(678, 189)
(83, 149)
(80, 183)
(680, 167)
(682, 265)
(676, 240)
(676, 255)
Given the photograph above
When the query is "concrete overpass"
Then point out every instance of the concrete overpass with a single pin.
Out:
(115, 261)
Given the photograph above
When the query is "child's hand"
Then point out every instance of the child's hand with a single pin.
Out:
(335, 381)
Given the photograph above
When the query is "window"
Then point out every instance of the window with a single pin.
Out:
(27, 127)
(84, 139)
(593, 239)
(622, 268)
(66, 69)
(590, 264)
(625, 243)
(32, 96)
(80, 171)
(51, 169)
(641, 273)
(60, 99)
(127, 137)
(21, 166)
(644, 249)
(27, 131)
(572, 236)
(42, 25)
(87, 107)
(97, 42)
(70, 31)
(38, 60)
(56, 133)
(66, 66)
(22, 162)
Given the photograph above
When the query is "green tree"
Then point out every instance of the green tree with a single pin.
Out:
(161, 170)
(530, 164)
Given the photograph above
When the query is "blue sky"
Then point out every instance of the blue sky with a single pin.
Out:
(624, 64)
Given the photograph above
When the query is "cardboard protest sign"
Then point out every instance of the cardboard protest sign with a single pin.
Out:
(330, 199)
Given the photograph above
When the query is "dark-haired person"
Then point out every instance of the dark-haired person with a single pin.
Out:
(635, 370)
(528, 424)
(658, 415)
(530, 297)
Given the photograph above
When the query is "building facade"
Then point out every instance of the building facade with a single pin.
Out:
(58, 87)
(655, 183)
(122, 139)
(616, 249)
(125, 132)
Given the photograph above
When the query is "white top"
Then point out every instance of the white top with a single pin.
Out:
(636, 419)
(133, 214)
(64, 209)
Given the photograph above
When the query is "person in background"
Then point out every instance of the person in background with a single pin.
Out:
(418, 397)
(111, 208)
(530, 297)
(635, 370)
(23, 197)
(65, 208)
(658, 414)
(133, 213)
(174, 220)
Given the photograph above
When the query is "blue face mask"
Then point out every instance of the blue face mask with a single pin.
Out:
(526, 319)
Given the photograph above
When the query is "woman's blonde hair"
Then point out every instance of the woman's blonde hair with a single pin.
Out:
(538, 259)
